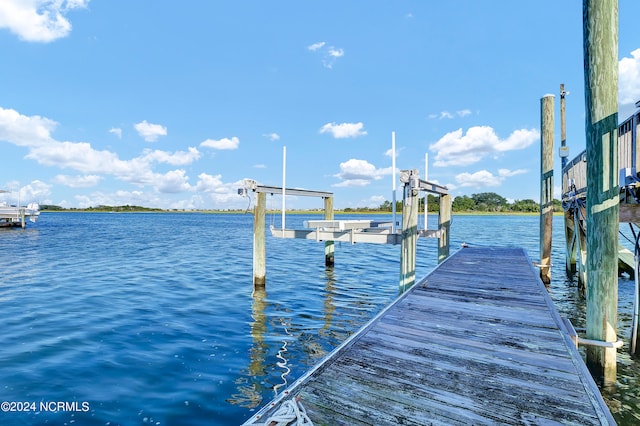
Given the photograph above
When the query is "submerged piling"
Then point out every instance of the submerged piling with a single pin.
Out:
(601, 102)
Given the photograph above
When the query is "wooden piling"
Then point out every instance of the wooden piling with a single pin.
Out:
(581, 238)
(409, 229)
(563, 125)
(444, 225)
(546, 185)
(570, 239)
(601, 102)
(569, 224)
(329, 246)
(259, 246)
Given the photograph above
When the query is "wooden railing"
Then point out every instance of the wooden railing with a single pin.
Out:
(574, 174)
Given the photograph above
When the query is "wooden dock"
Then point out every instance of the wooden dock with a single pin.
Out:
(478, 341)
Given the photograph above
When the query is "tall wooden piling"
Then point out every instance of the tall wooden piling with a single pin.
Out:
(409, 228)
(569, 225)
(563, 126)
(329, 246)
(444, 225)
(259, 246)
(600, 27)
(546, 186)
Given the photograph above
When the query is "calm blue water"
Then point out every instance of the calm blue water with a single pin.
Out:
(151, 319)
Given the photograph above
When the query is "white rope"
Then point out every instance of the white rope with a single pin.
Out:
(282, 364)
(290, 411)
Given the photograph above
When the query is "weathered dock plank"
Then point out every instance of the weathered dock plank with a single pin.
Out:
(478, 341)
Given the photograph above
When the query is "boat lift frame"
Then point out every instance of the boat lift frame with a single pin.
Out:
(353, 231)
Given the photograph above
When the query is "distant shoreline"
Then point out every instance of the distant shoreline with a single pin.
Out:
(298, 212)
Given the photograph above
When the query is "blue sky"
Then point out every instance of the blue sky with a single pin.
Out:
(172, 104)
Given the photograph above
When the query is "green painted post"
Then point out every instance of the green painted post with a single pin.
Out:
(444, 225)
(259, 246)
(546, 185)
(409, 229)
(329, 246)
(601, 102)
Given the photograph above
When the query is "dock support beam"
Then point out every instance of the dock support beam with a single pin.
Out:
(546, 186)
(408, 244)
(444, 224)
(329, 246)
(600, 27)
(570, 239)
(259, 246)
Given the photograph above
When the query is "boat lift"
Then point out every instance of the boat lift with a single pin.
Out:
(353, 231)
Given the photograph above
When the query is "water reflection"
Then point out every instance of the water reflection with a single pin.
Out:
(283, 332)
(249, 393)
(328, 303)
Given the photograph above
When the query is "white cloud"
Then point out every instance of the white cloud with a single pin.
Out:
(359, 173)
(456, 149)
(35, 191)
(178, 158)
(329, 53)
(441, 115)
(316, 46)
(335, 53)
(116, 131)
(485, 179)
(35, 133)
(22, 130)
(209, 183)
(224, 143)
(629, 78)
(38, 20)
(75, 155)
(150, 132)
(389, 152)
(344, 130)
(172, 182)
(272, 136)
(83, 181)
(504, 173)
(448, 115)
(220, 193)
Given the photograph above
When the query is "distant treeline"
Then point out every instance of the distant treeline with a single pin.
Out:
(482, 202)
(101, 208)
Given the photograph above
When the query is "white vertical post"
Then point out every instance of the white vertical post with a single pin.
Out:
(284, 183)
(393, 177)
(426, 194)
